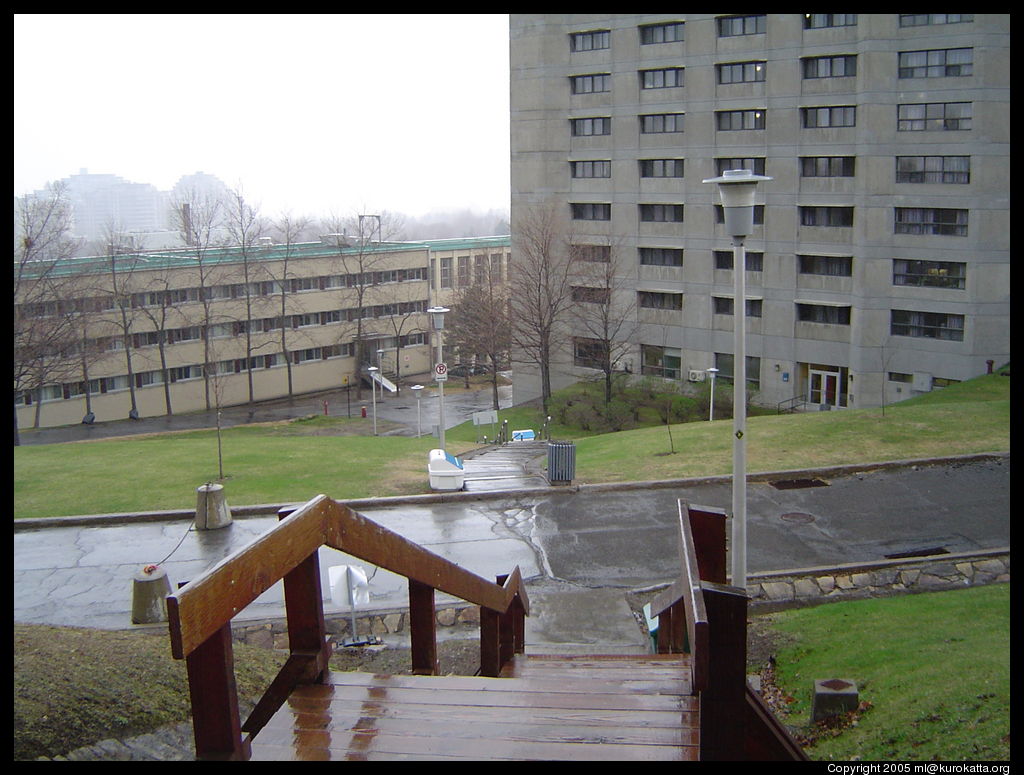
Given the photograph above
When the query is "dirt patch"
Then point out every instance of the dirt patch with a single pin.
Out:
(455, 657)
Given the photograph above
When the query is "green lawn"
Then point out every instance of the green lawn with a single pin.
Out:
(935, 668)
(335, 456)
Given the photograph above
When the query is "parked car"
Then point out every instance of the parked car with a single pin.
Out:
(466, 369)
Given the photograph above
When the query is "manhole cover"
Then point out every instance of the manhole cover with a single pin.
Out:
(794, 484)
(798, 517)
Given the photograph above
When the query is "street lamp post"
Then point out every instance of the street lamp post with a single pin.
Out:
(711, 404)
(380, 368)
(416, 391)
(372, 370)
(736, 188)
(437, 315)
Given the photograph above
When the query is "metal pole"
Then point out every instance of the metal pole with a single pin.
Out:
(440, 387)
(739, 421)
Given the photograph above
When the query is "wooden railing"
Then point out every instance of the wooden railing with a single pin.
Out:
(700, 614)
(200, 614)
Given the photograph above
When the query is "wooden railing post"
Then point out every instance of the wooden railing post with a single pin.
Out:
(304, 609)
(723, 709)
(490, 642)
(211, 682)
(422, 629)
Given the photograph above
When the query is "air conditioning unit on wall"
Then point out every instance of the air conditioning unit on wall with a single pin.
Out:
(696, 375)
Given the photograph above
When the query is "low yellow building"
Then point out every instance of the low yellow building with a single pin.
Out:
(186, 330)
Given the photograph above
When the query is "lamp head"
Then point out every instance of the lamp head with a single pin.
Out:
(437, 316)
(736, 187)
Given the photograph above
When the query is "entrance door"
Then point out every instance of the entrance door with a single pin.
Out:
(823, 388)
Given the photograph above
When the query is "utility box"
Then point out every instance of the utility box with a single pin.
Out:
(446, 472)
(561, 462)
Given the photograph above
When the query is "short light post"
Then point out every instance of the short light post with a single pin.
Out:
(416, 391)
(437, 316)
(711, 404)
(373, 370)
(736, 188)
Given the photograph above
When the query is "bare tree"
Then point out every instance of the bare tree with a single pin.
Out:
(245, 227)
(361, 263)
(604, 309)
(289, 230)
(540, 281)
(46, 331)
(197, 218)
(480, 324)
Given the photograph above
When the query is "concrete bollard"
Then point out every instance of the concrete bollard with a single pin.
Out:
(833, 697)
(212, 510)
(150, 588)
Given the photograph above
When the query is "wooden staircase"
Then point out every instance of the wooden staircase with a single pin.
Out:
(670, 706)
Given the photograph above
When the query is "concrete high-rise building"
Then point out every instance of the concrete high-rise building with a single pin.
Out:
(879, 263)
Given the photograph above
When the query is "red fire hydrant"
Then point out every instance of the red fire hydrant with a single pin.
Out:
(364, 411)
(325, 408)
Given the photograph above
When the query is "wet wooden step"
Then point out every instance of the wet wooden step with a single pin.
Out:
(550, 708)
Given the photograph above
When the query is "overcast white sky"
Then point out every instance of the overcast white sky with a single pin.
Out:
(315, 114)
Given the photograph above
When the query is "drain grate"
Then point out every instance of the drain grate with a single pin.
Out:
(795, 484)
(799, 517)
(918, 553)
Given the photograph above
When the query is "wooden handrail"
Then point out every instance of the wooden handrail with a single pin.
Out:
(200, 613)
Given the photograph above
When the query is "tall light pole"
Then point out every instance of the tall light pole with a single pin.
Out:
(736, 188)
(437, 316)
(711, 404)
(416, 391)
(372, 370)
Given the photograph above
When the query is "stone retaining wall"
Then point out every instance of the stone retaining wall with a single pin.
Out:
(767, 590)
(925, 574)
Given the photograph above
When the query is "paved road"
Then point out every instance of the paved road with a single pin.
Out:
(591, 539)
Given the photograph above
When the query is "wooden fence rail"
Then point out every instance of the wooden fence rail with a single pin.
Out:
(200, 614)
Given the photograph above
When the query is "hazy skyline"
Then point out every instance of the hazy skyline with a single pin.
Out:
(316, 114)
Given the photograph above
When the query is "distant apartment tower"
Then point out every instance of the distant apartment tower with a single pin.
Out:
(879, 263)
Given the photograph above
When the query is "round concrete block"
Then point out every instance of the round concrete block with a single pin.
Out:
(149, 596)
(212, 510)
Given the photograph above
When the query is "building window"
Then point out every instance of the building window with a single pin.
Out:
(590, 211)
(928, 325)
(754, 260)
(826, 216)
(931, 220)
(831, 266)
(832, 66)
(731, 26)
(591, 169)
(741, 72)
(933, 169)
(754, 165)
(726, 365)
(758, 214)
(463, 270)
(661, 123)
(669, 32)
(929, 274)
(817, 21)
(947, 116)
(589, 353)
(832, 116)
(729, 120)
(586, 127)
(723, 305)
(661, 168)
(591, 40)
(661, 213)
(661, 256)
(592, 83)
(823, 313)
(594, 254)
(587, 295)
(665, 78)
(923, 19)
(827, 166)
(936, 63)
(658, 361)
(660, 300)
